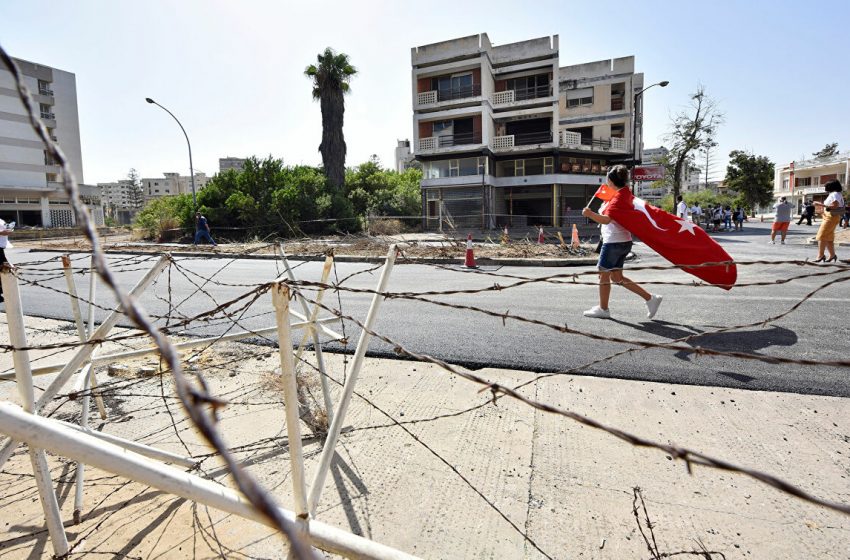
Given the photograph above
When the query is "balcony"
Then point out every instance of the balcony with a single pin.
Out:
(524, 139)
(575, 140)
(508, 97)
(618, 103)
(452, 94)
(45, 91)
(435, 143)
(47, 115)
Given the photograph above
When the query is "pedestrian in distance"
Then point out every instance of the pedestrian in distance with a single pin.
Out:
(807, 214)
(833, 209)
(716, 218)
(738, 218)
(781, 220)
(5, 230)
(727, 217)
(682, 208)
(202, 230)
(616, 245)
(696, 213)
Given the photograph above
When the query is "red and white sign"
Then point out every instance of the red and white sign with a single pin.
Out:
(648, 173)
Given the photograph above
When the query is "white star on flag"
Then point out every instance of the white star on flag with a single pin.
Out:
(686, 225)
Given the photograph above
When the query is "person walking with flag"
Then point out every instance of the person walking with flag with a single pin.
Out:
(616, 245)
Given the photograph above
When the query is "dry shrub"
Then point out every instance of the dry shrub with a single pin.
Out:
(310, 404)
(169, 230)
(388, 226)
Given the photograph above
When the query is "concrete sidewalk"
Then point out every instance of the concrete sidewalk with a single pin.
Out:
(470, 484)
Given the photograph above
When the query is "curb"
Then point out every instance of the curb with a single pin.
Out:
(813, 241)
(495, 261)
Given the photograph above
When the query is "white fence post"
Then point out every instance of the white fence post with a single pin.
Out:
(18, 339)
(85, 352)
(348, 390)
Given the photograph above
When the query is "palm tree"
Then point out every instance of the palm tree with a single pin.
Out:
(330, 83)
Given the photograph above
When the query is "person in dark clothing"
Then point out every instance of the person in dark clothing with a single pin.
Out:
(807, 214)
(5, 230)
(202, 229)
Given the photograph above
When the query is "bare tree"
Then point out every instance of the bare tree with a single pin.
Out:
(692, 130)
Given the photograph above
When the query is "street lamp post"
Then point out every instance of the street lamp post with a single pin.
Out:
(191, 168)
(635, 117)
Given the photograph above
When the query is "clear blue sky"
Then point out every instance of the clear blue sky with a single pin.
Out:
(232, 71)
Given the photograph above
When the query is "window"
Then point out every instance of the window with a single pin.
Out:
(529, 87)
(802, 182)
(548, 165)
(442, 126)
(785, 183)
(618, 95)
(618, 130)
(456, 86)
(580, 97)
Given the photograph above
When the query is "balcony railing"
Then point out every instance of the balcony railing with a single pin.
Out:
(435, 96)
(571, 139)
(523, 139)
(448, 141)
(47, 115)
(521, 94)
(45, 91)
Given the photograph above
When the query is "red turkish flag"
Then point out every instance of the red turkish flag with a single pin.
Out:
(678, 240)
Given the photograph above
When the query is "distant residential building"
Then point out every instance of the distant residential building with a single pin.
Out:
(507, 137)
(31, 190)
(804, 180)
(172, 184)
(403, 157)
(229, 162)
(650, 190)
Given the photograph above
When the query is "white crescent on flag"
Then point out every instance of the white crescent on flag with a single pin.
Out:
(640, 206)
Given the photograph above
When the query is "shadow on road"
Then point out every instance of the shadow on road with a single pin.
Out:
(750, 341)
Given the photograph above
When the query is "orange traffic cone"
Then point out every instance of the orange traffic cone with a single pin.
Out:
(574, 241)
(540, 238)
(470, 257)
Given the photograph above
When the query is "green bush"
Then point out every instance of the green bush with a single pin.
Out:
(166, 218)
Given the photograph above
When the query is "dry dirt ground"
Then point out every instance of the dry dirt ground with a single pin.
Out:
(416, 472)
(417, 246)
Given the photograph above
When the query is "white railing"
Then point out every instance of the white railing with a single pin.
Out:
(619, 144)
(503, 142)
(569, 138)
(503, 97)
(426, 97)
(428, 144)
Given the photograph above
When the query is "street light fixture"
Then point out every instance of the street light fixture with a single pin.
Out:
(634, 118)
(191, 168)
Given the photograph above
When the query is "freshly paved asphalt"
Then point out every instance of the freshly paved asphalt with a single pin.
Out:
(816, 330)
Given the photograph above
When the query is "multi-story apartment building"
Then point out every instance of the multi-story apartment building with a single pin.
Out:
(172, 184)
(404, 158)
(229, 162)
(31, 191)
(117, 194)
(508, 137)
(804, 180)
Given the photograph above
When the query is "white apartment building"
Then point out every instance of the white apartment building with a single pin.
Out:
(31, 192)
(403, 156)
(172, 184)
(230, 162)
(508, 137)
(804, 180)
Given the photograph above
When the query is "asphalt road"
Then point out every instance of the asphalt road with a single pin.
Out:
(818, 329)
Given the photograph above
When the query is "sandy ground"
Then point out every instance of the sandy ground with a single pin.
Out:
(416, 245)
(502, 481)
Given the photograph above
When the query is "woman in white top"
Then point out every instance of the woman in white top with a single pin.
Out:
(616, 245)
(833, 208)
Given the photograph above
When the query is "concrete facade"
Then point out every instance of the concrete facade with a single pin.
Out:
(403, 156)
(229, 162)
(804, 180)
(172, 184)
(31, 192)
(506, 136)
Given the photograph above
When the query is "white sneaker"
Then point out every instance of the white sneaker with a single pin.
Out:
(652, 306)
(597, 313)
(783, 242)
(772, 242)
